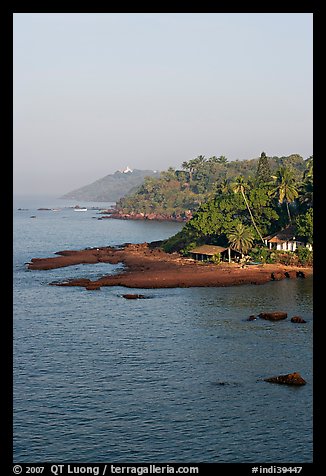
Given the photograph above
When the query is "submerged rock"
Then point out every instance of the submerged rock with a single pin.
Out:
(133, 296)
(288, 379)
(273, 316)
(298, 320)
(222, 383)
(252, 318)
(72, 282)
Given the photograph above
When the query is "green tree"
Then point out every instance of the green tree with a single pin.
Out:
(218, 160)
(223, 187)
(241, 238)
(263, 174)
(309, 172)
(266, 215)
(305, 226)
(307, 186)
(222, 159)
(285, 188)
(169, 174)
(193, 165)
(305, 256)
(180, 193)
(239, 186)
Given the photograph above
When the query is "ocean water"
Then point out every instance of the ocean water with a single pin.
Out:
(174, 378)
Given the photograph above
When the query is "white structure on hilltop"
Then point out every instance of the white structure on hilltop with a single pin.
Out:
(126, 170)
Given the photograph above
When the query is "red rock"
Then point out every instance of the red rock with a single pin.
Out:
(277, 276)
(288, 379)
(93, 287)
(298, 320)
(133, 296)
(152, 216)
(76, 282)
(273, 316)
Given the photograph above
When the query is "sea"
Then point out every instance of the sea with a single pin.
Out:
(178, 377)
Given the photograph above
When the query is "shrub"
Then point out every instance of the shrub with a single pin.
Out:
(186, 250)
(216, 259)
(263, 254)
(288, 258)
(305, 256)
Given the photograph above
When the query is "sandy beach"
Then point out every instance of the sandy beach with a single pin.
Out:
(147, 266)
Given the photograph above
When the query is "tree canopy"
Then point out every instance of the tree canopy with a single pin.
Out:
(252, 206)
(263, 174)
(215, 196)
(241, 238)
(182, 192)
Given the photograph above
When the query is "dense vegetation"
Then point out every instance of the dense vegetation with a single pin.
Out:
(179, 193)
(224, 202)
(240, 210)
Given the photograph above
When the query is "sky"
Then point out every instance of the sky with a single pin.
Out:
(95, 92)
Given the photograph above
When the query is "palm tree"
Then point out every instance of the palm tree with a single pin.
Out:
(309, 172)
(222, 159)
(240, 238)
(239, 186)
(285, 188)
(306, 188)
(306, 196)
(193, 164)
(223, 187)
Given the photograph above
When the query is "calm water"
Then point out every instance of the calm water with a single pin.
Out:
(174, 378)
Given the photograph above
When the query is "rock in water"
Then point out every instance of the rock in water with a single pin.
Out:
(252, 318)
(273, 316)
(133, 296)
(93, 287)
(298, 320)
(288, 379)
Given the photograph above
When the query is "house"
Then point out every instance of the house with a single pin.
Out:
(207, 253)
(285, 240)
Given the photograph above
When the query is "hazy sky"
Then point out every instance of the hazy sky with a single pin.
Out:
(95, 92)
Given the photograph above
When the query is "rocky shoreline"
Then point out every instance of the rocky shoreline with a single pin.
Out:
(147, 216)
(146, 266)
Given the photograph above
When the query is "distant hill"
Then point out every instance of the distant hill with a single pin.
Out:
(112, 187)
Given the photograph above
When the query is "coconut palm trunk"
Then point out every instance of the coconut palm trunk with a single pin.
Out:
(288, 210)
(239, 186)
(251, 216)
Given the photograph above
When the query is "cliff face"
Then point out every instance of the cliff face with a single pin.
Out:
(111, 187)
